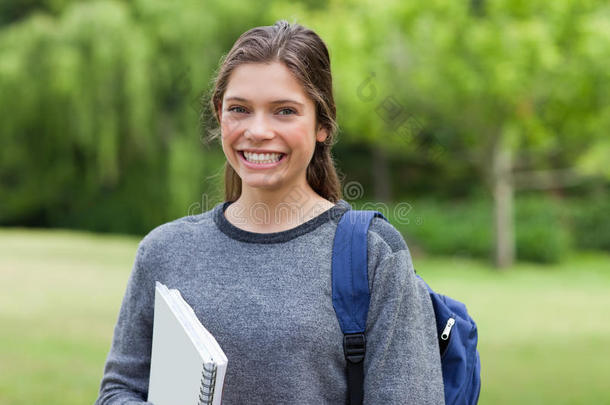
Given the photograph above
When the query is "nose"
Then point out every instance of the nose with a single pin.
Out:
(258, 129)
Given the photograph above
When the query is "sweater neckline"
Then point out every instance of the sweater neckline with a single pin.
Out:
(333, 213)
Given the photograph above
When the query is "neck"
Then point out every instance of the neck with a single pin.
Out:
(276, 210)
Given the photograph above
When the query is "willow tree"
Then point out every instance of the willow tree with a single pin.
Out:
(101, 106)
(75, 90)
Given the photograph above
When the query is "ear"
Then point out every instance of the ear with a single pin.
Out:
(322, 134)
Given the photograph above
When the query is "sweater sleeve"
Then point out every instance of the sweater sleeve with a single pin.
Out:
(126, 372)
(402, 362)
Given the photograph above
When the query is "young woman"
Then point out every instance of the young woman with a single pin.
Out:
(256, 268)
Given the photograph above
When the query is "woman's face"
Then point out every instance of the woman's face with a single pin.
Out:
(268, 127)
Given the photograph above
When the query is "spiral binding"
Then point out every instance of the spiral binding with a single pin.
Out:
(208, 381)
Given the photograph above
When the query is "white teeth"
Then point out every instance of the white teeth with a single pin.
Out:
(263, 157)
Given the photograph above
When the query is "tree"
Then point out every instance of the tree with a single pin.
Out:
(494, 78)
(101, 103)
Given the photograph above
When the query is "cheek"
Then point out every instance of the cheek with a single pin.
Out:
(303, 138)
(227, 138)
(224, 130)
(228, 126)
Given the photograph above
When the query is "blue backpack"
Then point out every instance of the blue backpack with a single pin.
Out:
(457, 331)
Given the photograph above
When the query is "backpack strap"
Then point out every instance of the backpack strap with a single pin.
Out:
(350, 292)
(460, 361)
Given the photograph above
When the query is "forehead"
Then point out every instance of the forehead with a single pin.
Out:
(262, 82)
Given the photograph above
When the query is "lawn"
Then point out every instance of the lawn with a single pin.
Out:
(544, 331)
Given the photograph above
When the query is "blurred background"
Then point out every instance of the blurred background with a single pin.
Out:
(480, 128)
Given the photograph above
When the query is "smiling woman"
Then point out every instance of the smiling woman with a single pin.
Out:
(257, 267)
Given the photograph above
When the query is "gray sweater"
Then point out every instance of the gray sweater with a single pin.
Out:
(267, 300)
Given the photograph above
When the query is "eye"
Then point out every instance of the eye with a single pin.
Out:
(233, 108)
(290, 110)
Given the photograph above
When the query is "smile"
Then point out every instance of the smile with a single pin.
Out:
(262, 161)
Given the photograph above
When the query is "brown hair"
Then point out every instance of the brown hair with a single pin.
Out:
(304, 53)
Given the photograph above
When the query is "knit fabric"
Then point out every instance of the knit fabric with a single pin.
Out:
(266, 297)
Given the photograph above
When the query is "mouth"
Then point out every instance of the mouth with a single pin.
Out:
(261, 160)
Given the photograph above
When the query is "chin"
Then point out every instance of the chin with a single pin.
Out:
(262, 184)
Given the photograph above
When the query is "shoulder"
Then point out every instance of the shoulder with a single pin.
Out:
(387, 252)
(389, 260)
(174, 236)
(383, 238)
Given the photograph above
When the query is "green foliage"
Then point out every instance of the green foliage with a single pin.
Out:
(12, 11)
(542, 233)
(101, 99)
(458, 228)
(590, 222)
(465, 228)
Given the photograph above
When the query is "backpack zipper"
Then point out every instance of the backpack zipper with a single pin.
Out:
(447, 330)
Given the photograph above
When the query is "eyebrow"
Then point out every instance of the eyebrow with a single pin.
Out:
(243, 100)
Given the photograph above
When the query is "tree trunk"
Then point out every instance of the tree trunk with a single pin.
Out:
(381, 175)
(503, 194)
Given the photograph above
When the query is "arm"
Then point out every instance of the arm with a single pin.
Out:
(402, 362)
(127, 367)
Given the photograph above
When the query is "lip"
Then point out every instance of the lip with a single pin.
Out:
(259, 151)
(255, 166)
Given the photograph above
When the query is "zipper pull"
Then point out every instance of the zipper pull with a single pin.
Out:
(447, 330)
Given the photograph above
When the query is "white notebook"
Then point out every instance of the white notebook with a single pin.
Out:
(187, 366)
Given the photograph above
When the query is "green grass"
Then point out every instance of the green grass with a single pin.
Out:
(544, 331)
(61, 292)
